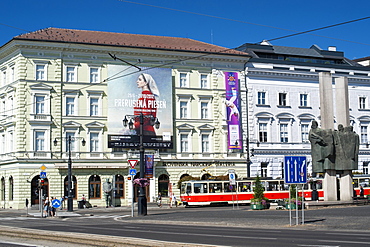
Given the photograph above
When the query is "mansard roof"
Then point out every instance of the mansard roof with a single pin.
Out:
(265, 52)
(126, 40)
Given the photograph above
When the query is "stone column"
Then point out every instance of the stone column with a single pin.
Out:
(327, 122)
(346, 186)
(342, 101)
(326, 100)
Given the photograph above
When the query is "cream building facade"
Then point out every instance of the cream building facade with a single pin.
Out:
(54, 86)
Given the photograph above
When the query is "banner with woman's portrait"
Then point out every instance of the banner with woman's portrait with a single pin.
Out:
(143, 98)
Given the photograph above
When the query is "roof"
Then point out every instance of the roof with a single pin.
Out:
(314, 52)
(126, 40)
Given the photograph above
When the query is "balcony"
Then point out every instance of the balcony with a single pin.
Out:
(40, 118)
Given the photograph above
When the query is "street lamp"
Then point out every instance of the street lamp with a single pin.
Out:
(142, 203)
(69, 140)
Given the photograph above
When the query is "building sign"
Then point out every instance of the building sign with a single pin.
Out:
(131, 93)
(232, 110)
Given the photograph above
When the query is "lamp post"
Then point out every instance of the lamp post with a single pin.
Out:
(69, 140)
(142, 202)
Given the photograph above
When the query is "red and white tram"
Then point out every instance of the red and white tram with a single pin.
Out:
(208, 192)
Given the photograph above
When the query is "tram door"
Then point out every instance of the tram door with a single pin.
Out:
(35, 190)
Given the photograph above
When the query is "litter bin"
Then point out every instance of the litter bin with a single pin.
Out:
(80, 204)
(315, 195)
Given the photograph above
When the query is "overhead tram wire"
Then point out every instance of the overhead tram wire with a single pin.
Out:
(195, 57)
(257, 24)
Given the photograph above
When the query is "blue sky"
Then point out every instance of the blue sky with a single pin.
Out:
(237, 21)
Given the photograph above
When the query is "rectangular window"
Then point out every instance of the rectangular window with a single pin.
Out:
(4, 78)
(261, 98)
(204, 81)
(94, 106)
(71, 74)
(362, 102)
(365, 167)
(94, 75)
(183, 109)
(40, 104)
(282, 99)
(364, 134)
(72, 135)
(40, 72)
(303, 100)
(262, 132)
(70, 106)
(283, 132)
(204, 110)
(184, 143)
(205, 143)
(94, 142)
(40, 141)
(304, 132)
(183, 80)
(12, 74)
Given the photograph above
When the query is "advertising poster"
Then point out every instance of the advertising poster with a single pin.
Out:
(232, 110)
(143, 97)
(149, 163)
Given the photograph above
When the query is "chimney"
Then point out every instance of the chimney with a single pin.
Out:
(332, 48)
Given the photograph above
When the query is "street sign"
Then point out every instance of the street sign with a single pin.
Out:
(232, 177)
(295, 170)
(56, 203)
(42, 174)
(132, 172)
(132, 163)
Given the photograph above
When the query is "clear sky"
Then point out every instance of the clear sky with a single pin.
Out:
(226, 23)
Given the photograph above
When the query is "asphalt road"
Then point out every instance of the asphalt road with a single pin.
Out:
(210, 226)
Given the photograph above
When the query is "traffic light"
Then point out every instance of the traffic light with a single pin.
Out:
(42, 182)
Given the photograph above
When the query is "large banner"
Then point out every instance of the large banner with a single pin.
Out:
(145, 96)
(232, 110)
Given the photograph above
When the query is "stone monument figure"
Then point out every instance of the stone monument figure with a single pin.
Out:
(107, 188)
(322, 148)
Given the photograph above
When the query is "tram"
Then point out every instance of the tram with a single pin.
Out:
(208, 192)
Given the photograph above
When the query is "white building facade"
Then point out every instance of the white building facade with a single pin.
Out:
(54, 86)
(283, 99)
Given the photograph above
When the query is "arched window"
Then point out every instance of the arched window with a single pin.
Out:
(163, 181)
(11, 189)
(74, 187)
(205, 176)
(119, 186)
(2, 196)
(94, 187)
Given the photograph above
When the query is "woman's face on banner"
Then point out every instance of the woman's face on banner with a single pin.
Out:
(141, 82)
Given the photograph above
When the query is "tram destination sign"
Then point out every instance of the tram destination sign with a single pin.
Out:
(295, 170)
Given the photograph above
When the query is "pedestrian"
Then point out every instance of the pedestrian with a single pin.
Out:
(362, 192)
(46, 207)
(51, 208)
(159, 200)
(83, 199)
(174, 200)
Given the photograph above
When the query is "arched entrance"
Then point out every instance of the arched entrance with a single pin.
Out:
(36, 191)
(163, 185)
(73, 189)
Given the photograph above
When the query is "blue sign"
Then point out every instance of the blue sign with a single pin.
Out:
(56, 203)
(42, 174)
(295, 170)
(132, 172)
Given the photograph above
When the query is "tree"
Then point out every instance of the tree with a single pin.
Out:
(258, 190)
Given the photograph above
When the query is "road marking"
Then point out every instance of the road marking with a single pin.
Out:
(22, 244)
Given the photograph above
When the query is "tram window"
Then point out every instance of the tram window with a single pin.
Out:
(305, 186)
(188, 188)
(272, 185)
(319, 184)
(215, 188)
(364, 182)
(228, 188)
(200, 188)
(183, 188)
(244, 186)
